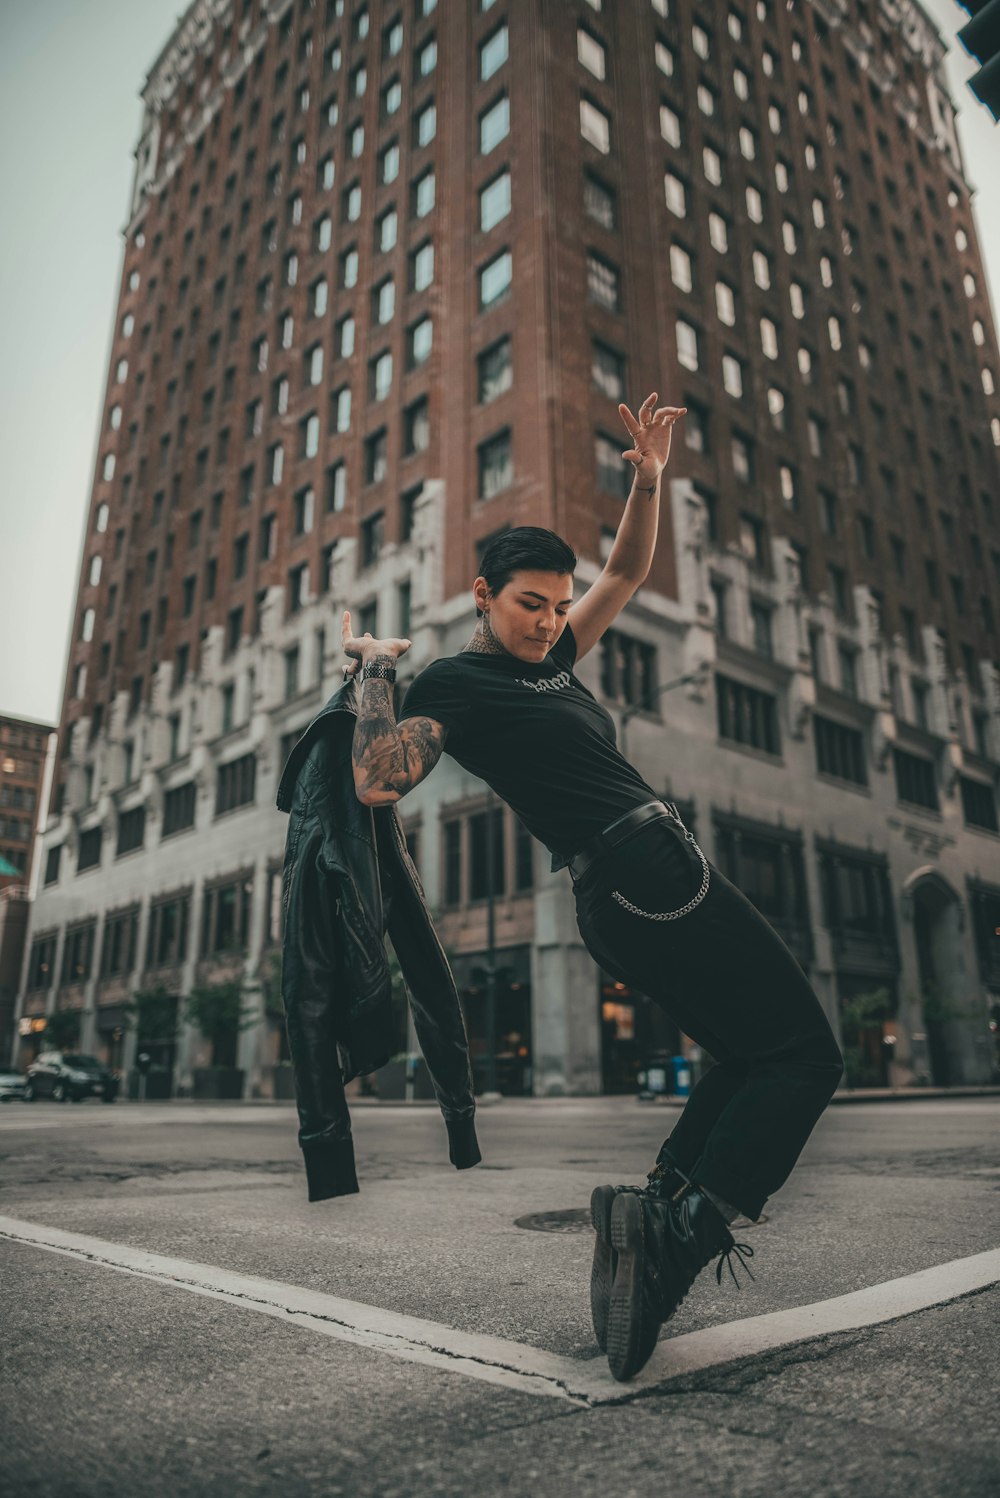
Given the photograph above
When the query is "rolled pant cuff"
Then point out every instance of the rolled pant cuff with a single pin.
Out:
(463, 1146)
(330, 1168)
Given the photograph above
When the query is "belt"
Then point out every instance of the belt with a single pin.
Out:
(617, 831)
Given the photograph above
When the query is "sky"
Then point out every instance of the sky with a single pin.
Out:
(71, 72)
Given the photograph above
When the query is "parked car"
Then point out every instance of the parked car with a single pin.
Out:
(73, 1076)
(13, 1084)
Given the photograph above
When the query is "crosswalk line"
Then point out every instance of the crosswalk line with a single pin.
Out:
(514, 1365)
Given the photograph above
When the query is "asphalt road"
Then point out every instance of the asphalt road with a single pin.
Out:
(122, 1375)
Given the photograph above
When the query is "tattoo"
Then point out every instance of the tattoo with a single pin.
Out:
(484, 641)
(390, 760)
(650, 490)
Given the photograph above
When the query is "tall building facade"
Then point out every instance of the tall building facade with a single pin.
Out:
(388, 270)
(24, 745)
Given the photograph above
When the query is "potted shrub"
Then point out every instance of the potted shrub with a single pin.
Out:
(218, 1011)
(153, 1012)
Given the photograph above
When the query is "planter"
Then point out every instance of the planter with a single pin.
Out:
(223, 1082)
(390, 1081)
(158, 1084)
(283, 1081)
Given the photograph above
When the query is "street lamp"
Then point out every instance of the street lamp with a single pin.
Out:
(700, 676)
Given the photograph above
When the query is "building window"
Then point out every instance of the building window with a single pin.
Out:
(384, 304)
(768, 867)
(493, 53)
(675, 195)
(979, 806)
(916, 781)
(372, 538)
(305, 505)
(235, 783)
(78, 953)
(343, 334)
(178, 808)
(732, 376)
(167, 938)
(599, 202)
(602, 282)
(590, 53)
(376, 457)
(225, 925)
(494, 201)
(840, 750)
(761, 621)
(380, 376)
(494, 125)
(495, 464)
(422, 267)
(613, 476)
(595, 126)
(426, 125)
(628, 670)
(423, 195)
(386, 230)
(495, 280)
(494, 370)
(607, 370)
(416, 427)
(420, 338)
(336, 487)
(680, 268)
(747, 715)
(687, 345)
(342, 409)
(725, 304)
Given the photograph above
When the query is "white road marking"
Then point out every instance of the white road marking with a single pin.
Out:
(529, 1370)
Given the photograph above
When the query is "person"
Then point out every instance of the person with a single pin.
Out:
(652, 910)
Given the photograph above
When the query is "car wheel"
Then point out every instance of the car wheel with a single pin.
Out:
(59, 1092)
(29, 1092)
(76, 1097)
(110, 1099)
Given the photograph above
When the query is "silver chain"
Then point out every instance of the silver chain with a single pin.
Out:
(672, 915)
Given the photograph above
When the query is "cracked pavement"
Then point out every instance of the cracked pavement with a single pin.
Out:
(117, 1385)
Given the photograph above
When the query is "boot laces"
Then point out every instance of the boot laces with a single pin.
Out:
(739, 1249)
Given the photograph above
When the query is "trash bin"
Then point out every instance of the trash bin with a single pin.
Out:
(654, 1081)
(682, 1076)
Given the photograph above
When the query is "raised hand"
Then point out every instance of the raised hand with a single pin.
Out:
(650, 432)
(363, 647)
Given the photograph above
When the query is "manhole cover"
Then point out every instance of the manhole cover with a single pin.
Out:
(570, 1220)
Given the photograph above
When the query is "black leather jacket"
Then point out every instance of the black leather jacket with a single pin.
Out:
(347, 880)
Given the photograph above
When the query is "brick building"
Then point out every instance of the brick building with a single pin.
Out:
(23, 747)
(388, 269)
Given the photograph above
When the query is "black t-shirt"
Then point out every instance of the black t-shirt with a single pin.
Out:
(534, 733)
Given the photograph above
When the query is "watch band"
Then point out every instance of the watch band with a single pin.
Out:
(380, 669)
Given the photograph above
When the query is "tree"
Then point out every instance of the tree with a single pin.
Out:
(62, 1029)
(861, 1022)
(218, 1011)
(153, 1011)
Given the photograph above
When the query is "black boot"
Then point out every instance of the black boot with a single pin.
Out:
(661, 1246)
(662, 1181)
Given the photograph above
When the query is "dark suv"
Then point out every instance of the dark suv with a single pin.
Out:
(71, 1077)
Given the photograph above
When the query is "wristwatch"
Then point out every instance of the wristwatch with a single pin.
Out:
(379, 669)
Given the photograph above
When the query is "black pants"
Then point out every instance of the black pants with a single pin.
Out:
(726, 978)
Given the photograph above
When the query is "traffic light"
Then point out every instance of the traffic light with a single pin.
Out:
(981, 39)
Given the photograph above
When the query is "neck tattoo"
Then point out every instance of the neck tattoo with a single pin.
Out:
(484, 641)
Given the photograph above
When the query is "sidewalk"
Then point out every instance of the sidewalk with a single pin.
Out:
(844, 1095)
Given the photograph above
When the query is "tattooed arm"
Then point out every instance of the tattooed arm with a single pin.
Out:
(390, 759)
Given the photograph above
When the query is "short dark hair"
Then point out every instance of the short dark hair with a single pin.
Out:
(528, 547)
